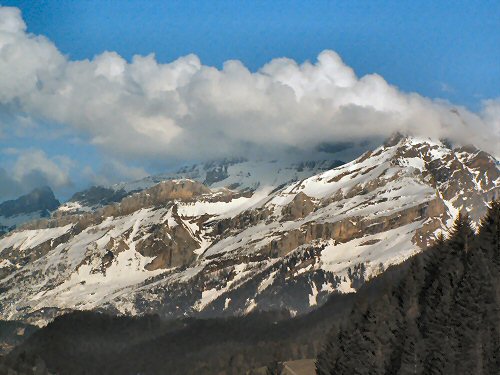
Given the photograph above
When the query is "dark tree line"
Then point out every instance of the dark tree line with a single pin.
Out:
(85, 342)
(443, 317)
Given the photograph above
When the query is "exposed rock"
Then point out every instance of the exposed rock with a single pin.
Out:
(394, 139)
(161, 194)
(180, 248)
(215, 175)
(170, 247)
(98, 196)
(298, 208)
(355, 227)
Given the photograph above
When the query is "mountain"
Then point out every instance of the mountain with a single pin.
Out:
(181, 247)
(34, 205)
(434, 313)
(93, 197)
(241, 174)
(235, 174)
(85, 342)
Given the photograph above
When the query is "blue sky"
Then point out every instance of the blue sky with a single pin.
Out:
(439, 49)
(447, 49)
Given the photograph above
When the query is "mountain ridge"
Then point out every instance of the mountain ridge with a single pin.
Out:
(181, 247)
(373, 329)
(38, 203)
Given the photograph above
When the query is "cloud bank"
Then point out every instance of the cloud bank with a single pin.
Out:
(185, 110)
(32, 168)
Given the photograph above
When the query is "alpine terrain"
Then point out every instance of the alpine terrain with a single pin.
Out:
(233, 237)
(34, 205)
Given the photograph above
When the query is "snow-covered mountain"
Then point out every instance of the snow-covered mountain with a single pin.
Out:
(181, 247)
(235, 174)
(32, 206)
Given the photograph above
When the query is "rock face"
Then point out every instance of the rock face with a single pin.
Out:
(34, 205)
(181, 248)
(98, 196)
(235, 174)
(300, 206)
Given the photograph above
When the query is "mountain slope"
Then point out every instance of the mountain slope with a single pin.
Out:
(34, 205)
(181, 247)
(149, 344)
(234, 174)
(376, 326)
(442, 318)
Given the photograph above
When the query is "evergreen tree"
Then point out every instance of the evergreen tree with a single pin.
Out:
(340, 357)
(489, 234)
(442, 318)
(411, 352)
(462, 233)
(326, 358)
(473, 299)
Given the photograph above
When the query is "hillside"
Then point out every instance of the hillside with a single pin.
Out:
(441, 318)
(182, 248)
(394, 324)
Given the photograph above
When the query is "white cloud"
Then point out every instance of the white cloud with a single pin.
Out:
(11, 20)
(186, 110)
(32, 168)
(491, 114)
(35, 166)
(113, 171)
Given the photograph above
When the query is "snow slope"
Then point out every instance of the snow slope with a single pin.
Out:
(179, 248)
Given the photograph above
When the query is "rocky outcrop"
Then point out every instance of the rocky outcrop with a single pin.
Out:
(298, 208)
(355, 227)
(161, 194)
(180, 248)
(170, 247)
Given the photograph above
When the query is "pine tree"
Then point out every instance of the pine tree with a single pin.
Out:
(408, 291)
(489, 243)
(328, 355)
(442, 318)
(473, 298)
(489, 234)
(411, 352)
(340, 358)
(462, 234)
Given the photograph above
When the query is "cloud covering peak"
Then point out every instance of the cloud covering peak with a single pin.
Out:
(185, 110)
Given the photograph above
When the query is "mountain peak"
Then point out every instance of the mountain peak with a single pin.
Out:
(307, 230)
(394, 139)
(39, 199)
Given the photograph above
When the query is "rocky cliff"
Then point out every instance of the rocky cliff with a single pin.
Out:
(181, 247)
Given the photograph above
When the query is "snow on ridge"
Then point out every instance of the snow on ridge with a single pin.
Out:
(28, 239)
(378, 184)
(220, 209)
(385, 248)
(245, 174)
(78, 285)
